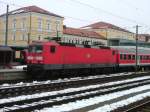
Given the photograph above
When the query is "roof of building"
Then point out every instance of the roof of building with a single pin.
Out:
(82, 33)
(32, 9)
(145, 35)
(104, 25)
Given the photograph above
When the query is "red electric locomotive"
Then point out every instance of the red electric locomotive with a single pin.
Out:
(54, 57)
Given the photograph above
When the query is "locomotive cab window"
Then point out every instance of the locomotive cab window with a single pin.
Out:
(36, 48)
(52, 49)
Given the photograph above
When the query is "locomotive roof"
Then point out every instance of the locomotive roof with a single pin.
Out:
(5, 48)
(83, 45)
(68, 44)
(132, 49)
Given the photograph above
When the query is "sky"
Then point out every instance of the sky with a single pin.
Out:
(77, 13)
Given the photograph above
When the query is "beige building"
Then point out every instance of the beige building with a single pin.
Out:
(81, 36)
(144, 37)
(110, 31)
(30, 23)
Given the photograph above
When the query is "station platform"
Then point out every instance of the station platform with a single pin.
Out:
(12, 74)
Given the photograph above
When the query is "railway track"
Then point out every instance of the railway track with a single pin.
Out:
(139, 106)
(31, 81)
(66, 97)
(143, 107)
(13, 82)
(58, 85)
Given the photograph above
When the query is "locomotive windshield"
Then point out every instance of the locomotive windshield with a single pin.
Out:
(36, 48)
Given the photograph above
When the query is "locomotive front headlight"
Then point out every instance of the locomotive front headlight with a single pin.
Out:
(39, 58)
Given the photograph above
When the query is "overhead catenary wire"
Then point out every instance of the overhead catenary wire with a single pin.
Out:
(90, 6)
(131, 5)
(107, 12)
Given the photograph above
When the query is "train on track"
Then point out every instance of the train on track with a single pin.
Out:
(57, 59)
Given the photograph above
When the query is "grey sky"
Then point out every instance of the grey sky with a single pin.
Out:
(124, 13)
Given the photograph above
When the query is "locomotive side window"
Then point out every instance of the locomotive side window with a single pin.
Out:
(52, 49)
(113, 52)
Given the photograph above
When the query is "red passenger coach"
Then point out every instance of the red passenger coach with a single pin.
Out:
(127, 57)
(53, 56)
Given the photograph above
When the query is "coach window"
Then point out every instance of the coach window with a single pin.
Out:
(133, 57)
(52, 49)
(129, 57)
(125, 57)
(144, 57)
(147, 57)
(140, 57)
(121, 56)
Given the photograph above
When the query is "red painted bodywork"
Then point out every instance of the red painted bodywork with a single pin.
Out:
(74, 55)
(132, 62)
(81, 55)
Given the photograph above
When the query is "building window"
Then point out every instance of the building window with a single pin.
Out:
(48, 25)
(4, 37)
(23, 23)
(4, 24)
(39, 37)
(14, 37)
(23, 37)
(57, 25)
(40, 24)
(14, 24)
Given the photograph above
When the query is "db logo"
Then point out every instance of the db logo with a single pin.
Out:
(88, 55)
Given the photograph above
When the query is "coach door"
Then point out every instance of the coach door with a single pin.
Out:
(138, 60)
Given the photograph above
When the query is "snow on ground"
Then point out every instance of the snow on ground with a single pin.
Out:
(87, 102)
(122, 103)
(67, 90)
